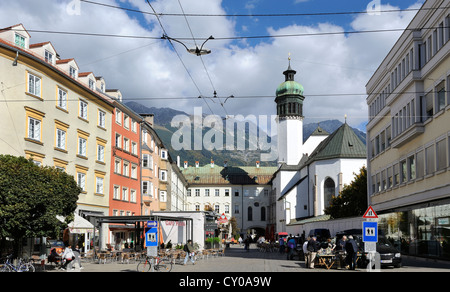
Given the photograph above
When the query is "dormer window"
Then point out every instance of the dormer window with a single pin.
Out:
(103, 87)
(20, 40)
(91, 84)
(73, 72)
(48, 57)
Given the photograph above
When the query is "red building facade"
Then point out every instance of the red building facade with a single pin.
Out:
(125, 198)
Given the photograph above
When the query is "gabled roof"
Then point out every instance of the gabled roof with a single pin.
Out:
(343, 143)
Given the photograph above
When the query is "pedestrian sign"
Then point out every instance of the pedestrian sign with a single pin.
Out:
(370, 231)
(151, 234)
(370, 213)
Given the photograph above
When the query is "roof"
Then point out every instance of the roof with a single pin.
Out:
(319, 132)
(343, 143)
(231, 175)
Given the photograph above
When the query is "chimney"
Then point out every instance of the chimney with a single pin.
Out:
(178, 161)
(196, 164)
(225, 164)
(212, 163)
(185, 164)
(257, 164)
(149, 118)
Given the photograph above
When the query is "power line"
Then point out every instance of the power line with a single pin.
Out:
(262, 15)
(234, 97)
(232, 38)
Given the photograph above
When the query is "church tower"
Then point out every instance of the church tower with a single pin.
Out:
(289, 100)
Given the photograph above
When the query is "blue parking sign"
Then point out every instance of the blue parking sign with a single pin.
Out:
(370, 231)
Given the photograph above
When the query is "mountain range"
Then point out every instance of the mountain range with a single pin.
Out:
(162, 125)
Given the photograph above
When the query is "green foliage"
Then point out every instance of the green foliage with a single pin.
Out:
(32, 196)
(352, 201)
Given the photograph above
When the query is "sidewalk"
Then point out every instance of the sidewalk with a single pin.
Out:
(238, 260)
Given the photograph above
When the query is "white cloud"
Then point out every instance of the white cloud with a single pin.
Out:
(143, 68)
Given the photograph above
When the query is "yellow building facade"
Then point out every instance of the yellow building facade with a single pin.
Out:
(55, 116)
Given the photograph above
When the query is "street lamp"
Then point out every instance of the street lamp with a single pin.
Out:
(195, 51)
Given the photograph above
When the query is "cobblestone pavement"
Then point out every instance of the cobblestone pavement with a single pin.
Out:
(238, 260)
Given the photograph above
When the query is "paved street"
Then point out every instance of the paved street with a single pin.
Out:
(237, 260)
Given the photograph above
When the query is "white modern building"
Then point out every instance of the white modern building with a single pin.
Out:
(408, 136)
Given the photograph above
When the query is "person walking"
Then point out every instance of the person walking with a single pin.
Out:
(312, 248)
(189, 249)
(291, 244)
(305, 251)
(282, 241)
(352, 252)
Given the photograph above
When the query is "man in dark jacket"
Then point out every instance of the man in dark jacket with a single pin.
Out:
(312, 248)
(352, 251)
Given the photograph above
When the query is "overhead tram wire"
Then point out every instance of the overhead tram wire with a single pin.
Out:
(201, 58)
(233, 38)
(179, 57)
(262, 14)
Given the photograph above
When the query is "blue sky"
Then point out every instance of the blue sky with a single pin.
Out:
(333, 69)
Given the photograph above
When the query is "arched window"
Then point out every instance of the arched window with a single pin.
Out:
(328, 191)
(263, 213)
(250, 214)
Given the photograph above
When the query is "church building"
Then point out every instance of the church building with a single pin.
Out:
(311, 172)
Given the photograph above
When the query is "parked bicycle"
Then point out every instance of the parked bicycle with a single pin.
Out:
(162, 264)
(22, 266)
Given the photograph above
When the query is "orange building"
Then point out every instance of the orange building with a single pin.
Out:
(125, 199)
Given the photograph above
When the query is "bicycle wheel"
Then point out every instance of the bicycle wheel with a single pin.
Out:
(164, 266)
(4, 268)
(29, 267)
(144, 266)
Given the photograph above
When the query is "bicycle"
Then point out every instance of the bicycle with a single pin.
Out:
(162, 264)
(22, 266)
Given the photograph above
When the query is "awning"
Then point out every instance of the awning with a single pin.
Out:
(282, 233)
(78, 225)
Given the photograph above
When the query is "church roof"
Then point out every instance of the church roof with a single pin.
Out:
(319, 132)
(343, 143)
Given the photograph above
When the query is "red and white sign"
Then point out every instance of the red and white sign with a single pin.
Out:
(370, 213)
(223, 219)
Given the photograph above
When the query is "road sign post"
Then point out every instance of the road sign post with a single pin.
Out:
(151, 238)
(370, 238)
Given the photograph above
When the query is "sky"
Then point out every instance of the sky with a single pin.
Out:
(253, 41)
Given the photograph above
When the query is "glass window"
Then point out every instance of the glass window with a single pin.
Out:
(62, 98)
(411, 168)
(83, 109)
(429, 155)
(60, 139)
(34, 85)
(34, 129)
(440, 91)
(99, 185)
(81, 146)
(19, 40)
(441, 149)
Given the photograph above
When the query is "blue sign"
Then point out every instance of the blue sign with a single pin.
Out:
(370, 231)
(151, 234)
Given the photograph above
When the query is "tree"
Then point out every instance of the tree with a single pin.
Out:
(352, 200)
(31, 197)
